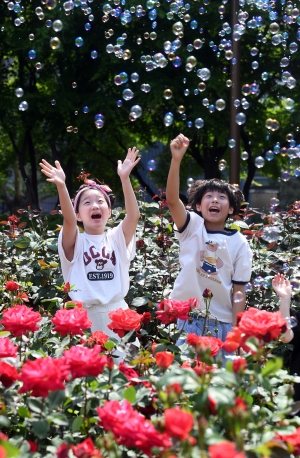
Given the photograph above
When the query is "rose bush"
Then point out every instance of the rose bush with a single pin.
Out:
(63, 393)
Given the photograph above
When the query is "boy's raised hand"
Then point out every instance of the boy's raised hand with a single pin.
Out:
(55, 174)
(282, 286)
(125, 167)
(179, 146)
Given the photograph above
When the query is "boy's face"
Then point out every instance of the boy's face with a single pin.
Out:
(215, 208)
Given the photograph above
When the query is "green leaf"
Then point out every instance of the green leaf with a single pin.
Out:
(109, 345)
(56, 398)
(11, 450)
(130, 394)
(59, 419)
(76, 425)
(23, 412)
(22, 242)
(4, 421)
(40, 428)
(35, 405)
(223, 396)
(272, 367)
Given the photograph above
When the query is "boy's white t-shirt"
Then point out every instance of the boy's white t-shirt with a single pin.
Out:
(100, 267)
(213, 260)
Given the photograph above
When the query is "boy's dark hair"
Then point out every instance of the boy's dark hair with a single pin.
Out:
(111, 196)
(200, 187)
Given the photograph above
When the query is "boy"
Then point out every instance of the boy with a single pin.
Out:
(210, 256)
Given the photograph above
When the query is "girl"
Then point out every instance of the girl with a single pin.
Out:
(96, 261)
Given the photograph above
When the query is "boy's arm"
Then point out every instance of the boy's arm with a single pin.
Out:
(238, 305)
(283, 289)
(132, 210)
(56, 175)
(178, 148)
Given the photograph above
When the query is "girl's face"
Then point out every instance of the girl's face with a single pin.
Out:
(93, 211)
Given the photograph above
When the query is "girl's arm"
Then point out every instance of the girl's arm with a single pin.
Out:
(283, 289)
(132, 210)
(178, 148)
(56, 175)
(239, 301)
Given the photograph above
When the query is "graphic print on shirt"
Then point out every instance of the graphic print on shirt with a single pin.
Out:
(211, 262)
(99, 261)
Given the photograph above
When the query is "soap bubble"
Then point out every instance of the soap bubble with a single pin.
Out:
(244, 155)
(168, 119)
(127, 94)
(85, 109)
(32, 54)
(248, 288)
(146, 88)
(99, 120)
(124, 77)
(222, 164)
(53, 102)
(204, 74)
(74, 85)
(191, 181)
(240, 118)
(69, 129)
(19, 92)
(288, 103)
(55, 43)
(238, 296)
(270, 233)
(295, 283)
(79, 42)
(134, 77)
(269, 156)
(285, 176)
(274, 202)
(151, 165)
(168, 94)
(119, 103)
(292, 322)
(199, 123)
(259, 162)
(220, 104)
(140, 279)
(231, 143)
(94, 54)
(57, 25)
(258, 282)
(23, 106)
(136, 111)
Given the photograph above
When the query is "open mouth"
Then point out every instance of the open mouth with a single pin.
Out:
(96, 216)
(214, 210)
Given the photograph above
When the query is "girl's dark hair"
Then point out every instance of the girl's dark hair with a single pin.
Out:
(111, 196)
(200, 187)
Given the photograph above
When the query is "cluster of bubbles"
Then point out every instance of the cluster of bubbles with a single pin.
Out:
(179, 13)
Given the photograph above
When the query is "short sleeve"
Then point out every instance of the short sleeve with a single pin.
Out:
(193, 222)
(243, 263)
(127, 252)
(61, 250)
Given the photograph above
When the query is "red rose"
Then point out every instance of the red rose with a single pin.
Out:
(84, 361)
(164, 359)
(11, 285)
(264, 325)
(239, 406)
(23, 296)
(175, 388)
(8, 374)
(96, 338)
(66, 287)
(224, 449)
(233, 340)
(33, 446)
(43, 375)
(20, 319)
(71, 321)
(214, 344)
(85, 449)
(72, 304)
(212, 405)
(123, 420)
(293, 439)
(207, 294)
(124, 321)
(178, 423)
(7, 348)
(140, 243)
(13, 220)
(171, 310)
(146, 318)
(202, 368)
(239, 365)
(63, 451)
(128, 371)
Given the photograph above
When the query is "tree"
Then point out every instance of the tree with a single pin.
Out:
(74, 61)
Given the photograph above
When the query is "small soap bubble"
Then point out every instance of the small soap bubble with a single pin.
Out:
(55, 43)
(127, 94)
(270, 233)
(291, 323)
(38, 66)
(136, 111)
(244, 155)
(31, 36)
(168, 119)
(146, 88)
(274, 202)
(79, 42)
(189, 182)
(140, 279)
(151, 165)
(259, 162)
(204, 74)
(53, 102)
(119, 103)
(231, 143)
(69, 129)
(134, 77)
(295, 283)
(199, 123)
(269, 156)
(57, 25)
(85, 109)
(94, 54)
(87, 26)
(222, 165)
(248, 288)
(19, 92)
(285, 176)
(258, 282)
(74, 85)
(220, 104)
(240, 118)
(32, 54)
(168, 94)
(48, 23)
(238, 296)
(23, 106)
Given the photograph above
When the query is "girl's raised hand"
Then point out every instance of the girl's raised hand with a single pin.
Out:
(125, 167)
(55, 174)
(179, 146)
(282, 286)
